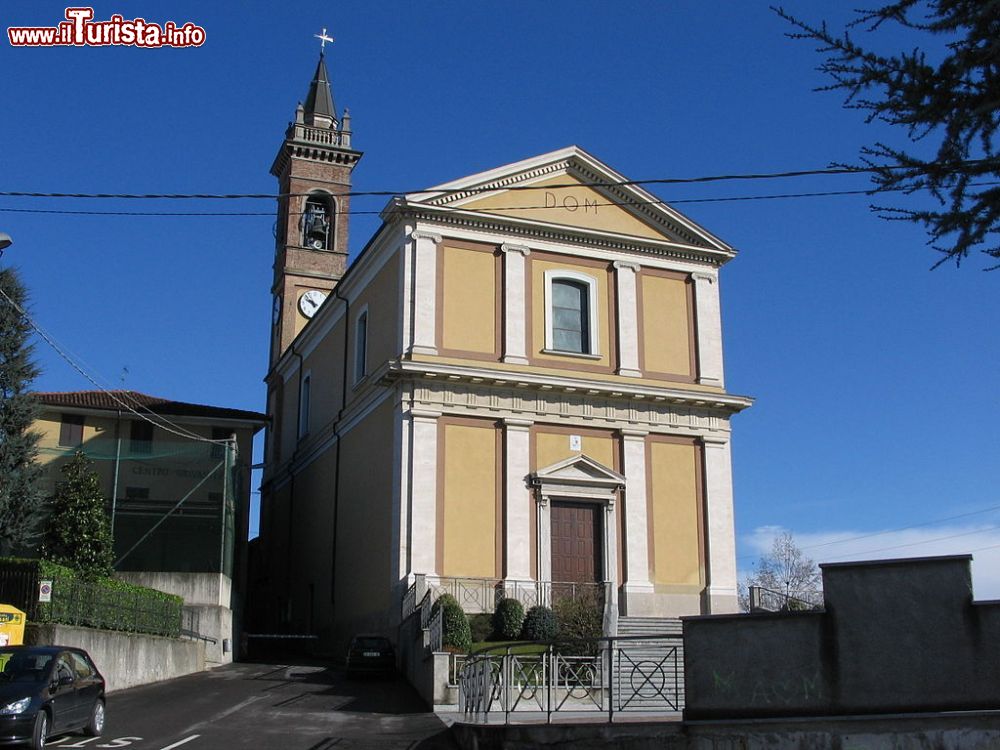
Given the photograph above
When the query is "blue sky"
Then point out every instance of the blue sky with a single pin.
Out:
(875, 379)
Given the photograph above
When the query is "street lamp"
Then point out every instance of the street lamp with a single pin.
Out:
(5, 241)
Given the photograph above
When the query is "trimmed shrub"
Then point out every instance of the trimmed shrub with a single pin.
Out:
(580, 620)
(507, 619)
(482, 627)
(540, 624)
(456, 633)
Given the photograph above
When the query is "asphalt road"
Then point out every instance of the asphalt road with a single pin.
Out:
(263, 706)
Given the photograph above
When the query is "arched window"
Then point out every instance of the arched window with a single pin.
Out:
(318, 222)
(571, 314)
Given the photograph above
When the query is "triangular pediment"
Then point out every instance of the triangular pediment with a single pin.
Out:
(570, 188)
(578, 470)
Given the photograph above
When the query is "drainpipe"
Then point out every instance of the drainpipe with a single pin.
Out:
(340, 447)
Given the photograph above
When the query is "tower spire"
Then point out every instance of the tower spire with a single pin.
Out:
(320, 111)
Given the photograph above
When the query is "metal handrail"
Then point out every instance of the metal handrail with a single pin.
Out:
(768, 600)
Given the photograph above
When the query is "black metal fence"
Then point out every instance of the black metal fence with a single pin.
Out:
(625, 675)
(105, 604)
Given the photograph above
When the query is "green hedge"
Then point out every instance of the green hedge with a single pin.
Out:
(105, 603)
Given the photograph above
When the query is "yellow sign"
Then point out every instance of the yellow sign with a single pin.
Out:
(11, 625)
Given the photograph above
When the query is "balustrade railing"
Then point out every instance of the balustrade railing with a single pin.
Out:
(627, 674)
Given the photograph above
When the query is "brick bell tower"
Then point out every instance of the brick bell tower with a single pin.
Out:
(313, 167)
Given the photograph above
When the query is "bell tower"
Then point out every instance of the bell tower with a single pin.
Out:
(313, 168)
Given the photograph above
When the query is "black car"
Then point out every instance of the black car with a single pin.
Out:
(371, 654)
(48, 690)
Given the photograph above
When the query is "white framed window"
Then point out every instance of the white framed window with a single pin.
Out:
(361, 345)
(571, 314)
(304, 388)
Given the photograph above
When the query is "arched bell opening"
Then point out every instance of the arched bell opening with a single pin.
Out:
(318, 222)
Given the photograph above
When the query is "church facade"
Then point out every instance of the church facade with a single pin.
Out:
(517, 386)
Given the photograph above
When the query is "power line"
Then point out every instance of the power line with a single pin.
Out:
(890, 531)
(494, 209)
(924, 541)
(174, 428)
(450, 191)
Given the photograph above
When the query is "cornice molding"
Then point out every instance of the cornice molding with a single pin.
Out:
(576, 387)
(569, 235)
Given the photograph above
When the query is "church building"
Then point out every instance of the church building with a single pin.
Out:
(515, 388)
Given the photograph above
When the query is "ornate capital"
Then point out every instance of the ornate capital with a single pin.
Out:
(424, 415)
(702, 276)
(418, 235)
(507, 247)
(630, 433)
(627, 266)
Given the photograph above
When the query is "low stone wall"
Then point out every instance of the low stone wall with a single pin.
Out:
(968, 731)
(894, 637)
(125, 659)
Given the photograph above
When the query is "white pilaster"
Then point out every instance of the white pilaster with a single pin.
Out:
(424, 292)
(514, 306)
(517, 544)
(610, 620)
(543, 546)
(721, 542)
(708, 323)
(628, 317)
(636, 527)
(423, 493)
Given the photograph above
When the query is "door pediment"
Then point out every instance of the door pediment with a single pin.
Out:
(578, 476)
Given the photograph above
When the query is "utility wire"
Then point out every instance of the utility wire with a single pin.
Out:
(924, 541)
(494, 209)
(114, 395)
(890, 531)
(449, 191)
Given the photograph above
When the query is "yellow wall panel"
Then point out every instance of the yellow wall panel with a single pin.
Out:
(469, 300)
(470, 501)
(550, 448)
(666, 332)
(538, 308)
(675, 501)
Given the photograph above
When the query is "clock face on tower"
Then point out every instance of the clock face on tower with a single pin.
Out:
(310, 301)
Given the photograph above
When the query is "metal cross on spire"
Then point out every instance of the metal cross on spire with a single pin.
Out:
(323, 39)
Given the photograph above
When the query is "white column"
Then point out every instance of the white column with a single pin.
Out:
(514, 305)
(636, 526)
(517, 544)
(400, 568)
(543, 546)
(721, 542)
(708, 323)
(423, 493)
(628, 317)
(424, 292)
(610, 624)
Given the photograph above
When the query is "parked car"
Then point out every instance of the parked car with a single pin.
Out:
(48, 690)
(370, 654)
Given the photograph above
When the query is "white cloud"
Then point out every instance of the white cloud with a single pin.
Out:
(982, 541)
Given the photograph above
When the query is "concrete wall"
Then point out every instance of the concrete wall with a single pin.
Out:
(896, 636)
(206, 598)
(194, 588)
(125, 659)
